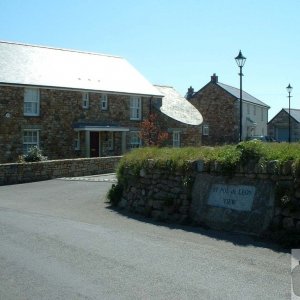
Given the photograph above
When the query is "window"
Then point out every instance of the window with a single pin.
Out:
(77, 142)
(30, 139)
(176, 139)
(31, 102)
(103, 102)
(254, 110)
(135, 108)
(248, 108)
(85, 100)
(110, 140)
(205, 130)
(135, 140)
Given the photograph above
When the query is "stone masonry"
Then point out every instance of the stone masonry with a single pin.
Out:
(166, 195)
(220, 112)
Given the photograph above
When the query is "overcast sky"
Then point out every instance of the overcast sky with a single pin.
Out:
(179, 43)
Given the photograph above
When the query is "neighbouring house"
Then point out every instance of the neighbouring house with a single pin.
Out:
(220, 108)
(178, 117)
(77, 104)
(278, 127)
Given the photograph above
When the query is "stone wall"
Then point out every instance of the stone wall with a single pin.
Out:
(220, 112)
(36, 171)
(183, 196)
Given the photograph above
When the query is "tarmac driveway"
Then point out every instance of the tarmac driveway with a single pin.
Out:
(61, 240)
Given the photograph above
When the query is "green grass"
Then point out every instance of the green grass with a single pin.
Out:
(228, 156)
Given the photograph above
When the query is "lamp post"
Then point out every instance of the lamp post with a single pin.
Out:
(289, 90)
(240, 60)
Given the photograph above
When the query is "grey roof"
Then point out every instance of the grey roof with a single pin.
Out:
(295, 113)
(177, 107)
(23, 64)
(236, 93)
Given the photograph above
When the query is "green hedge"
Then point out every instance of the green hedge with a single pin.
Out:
(228, 156)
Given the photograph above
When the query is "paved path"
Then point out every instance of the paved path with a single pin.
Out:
(61, 240)
(96, 178)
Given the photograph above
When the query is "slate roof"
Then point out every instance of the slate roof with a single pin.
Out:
(295, 113)
(177, 107)
(23, 64)
(245, 96)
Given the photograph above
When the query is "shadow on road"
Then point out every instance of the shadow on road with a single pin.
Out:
(235, 238)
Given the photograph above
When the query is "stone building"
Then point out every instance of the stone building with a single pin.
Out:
(220, 108)
(278, 127)
(76, 104)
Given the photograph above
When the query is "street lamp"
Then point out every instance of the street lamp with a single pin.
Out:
(240, 60)
(289, 90)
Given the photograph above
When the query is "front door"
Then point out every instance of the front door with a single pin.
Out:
(94, 144)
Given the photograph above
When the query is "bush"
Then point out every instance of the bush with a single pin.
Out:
(34, 154)
(114, 195)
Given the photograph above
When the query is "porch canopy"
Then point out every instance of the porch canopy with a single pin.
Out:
(98, 126)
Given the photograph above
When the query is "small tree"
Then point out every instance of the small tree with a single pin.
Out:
(151, 134)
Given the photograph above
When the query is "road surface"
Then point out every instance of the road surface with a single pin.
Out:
(60, 240)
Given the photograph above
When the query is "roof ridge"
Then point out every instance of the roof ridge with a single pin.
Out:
(160, 85)
(61, 49)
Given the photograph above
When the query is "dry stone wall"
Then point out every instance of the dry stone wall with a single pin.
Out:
(269, 199)
(36, 171)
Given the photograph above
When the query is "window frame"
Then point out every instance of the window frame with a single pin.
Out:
(31, 143)
(103, 100)
(138, 142)
(85, 100)
(176, 138)
(31, 99)
(135, 108)
(205, 130)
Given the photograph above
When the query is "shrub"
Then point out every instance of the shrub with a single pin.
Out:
(34, 154)
(114, 195)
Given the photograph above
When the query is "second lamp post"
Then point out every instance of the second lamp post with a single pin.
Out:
(240, 60)
(289, 90)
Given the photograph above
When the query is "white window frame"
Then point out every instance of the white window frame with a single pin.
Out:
(85, 100)
(205, 130)
(104, 102)
(30, 140)
(31, 102)
(77, 142)
(176, 139)
(135, 139)
(135, 108)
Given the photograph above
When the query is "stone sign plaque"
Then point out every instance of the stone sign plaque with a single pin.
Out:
(237, 197)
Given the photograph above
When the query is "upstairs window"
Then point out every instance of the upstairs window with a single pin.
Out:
(135, 108)
(31, 102)
(103, 102)
(30, 139)
(85, 100)
(176, 139)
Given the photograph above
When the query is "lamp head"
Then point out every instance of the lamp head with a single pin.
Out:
(240, 59)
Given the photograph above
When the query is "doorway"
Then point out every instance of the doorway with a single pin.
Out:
(94, 144)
